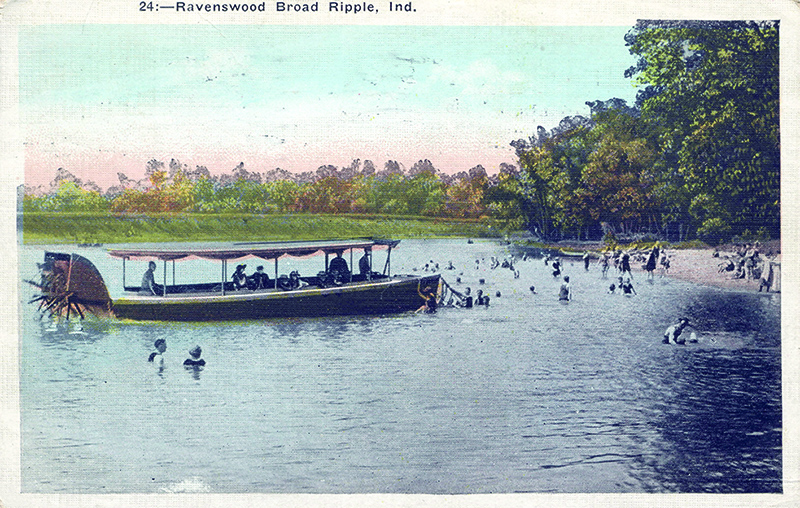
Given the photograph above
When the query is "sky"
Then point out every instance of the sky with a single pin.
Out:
(101, 99)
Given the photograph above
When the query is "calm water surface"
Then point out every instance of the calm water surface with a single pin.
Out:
(528, 395)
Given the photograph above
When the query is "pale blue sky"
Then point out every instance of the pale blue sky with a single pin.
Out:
(100, 98)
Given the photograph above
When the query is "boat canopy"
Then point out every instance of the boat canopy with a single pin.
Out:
(265, 250)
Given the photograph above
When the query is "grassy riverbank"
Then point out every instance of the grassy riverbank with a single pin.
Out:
(43, 227)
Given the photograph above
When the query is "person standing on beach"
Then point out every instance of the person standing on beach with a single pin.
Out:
(586, 260)
(625, 264)
(652, 260)
(664, 263)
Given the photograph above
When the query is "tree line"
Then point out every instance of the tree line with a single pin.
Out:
(696, 156)
(422, 190)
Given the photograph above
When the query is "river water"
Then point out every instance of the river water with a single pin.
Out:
(527, 395)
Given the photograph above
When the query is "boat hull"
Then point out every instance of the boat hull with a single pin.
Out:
(397, 294)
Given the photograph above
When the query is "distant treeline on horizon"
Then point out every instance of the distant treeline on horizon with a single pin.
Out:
(697, 156)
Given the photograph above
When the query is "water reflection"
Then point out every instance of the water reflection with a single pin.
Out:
(721, 422)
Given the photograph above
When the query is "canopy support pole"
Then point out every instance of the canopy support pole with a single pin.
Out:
(173, 272)
(351, 264)
(224, 275)
(165, 278)
(123, 273)
(276, 272)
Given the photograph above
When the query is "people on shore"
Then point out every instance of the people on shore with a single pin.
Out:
(652, 262)
(664, 263)
(586, 260)
(625, 264)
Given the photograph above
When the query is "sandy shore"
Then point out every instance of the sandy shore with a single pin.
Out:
(700, 267)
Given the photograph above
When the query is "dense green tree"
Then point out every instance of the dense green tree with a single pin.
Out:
(711, 88)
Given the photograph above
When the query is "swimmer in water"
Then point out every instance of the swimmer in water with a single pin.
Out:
(673, 333)
(429, 295)
(157, 357)
(195, 360)
(565, 291)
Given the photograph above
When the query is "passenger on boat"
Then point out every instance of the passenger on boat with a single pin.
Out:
(195, 360)
(239, 278)
(157, 357)
(338, 269)
(149, 285)
(365, 266)
(482, 299)
(259, 280)
(429, 295)
(291, 282)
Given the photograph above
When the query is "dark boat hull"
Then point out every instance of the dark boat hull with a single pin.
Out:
(397, 294)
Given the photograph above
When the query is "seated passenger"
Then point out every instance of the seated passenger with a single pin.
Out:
(149, 285)
(239, 277)
(294, 280)
(259, 280)
(338, 268)
(291, 282)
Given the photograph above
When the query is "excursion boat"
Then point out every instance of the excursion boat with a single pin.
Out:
(71, 284)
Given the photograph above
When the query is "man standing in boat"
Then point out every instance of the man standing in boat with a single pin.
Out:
(365, 266)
